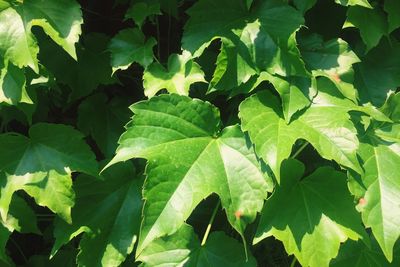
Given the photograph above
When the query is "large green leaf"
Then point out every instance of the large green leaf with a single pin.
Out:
(108, 124)
(189, 158)
(380, 206)
(325, 124)
(305, 215)
(130, 46)
(108, 211)
(182, 71)
(183, 249)
(42, 165)
(60, 19)
(371, 23)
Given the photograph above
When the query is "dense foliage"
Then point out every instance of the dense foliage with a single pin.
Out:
(200, 133)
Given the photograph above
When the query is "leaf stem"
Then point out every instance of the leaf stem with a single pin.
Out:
(207, 232)
(19, 249)
(293, 262)
(299, 150)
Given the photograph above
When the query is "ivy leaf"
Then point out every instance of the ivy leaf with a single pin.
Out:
(363, 3)
(357, 254)
(182, 71)
(141, 10)
(107, 125)
(60, 19)
(304, 5)
(82, 76)
(296, 93)
(314, 221)
(12, 85)
(371, 23)
(130, 46)
(108, 211)
(380, 207)
(325, 124)
(189, 159)
(279, 20)
(183, 249)
(392, 7)
(332, 59)
(21, 217)
(378, 73)
(42, 164)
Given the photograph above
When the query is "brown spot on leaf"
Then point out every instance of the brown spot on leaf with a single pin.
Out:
(238, 214)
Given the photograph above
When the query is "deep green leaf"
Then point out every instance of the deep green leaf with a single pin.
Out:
(188, 160)
(130, 46)
(108, 212)
(371, 23)
(378, 73)
(139, 11)
(305, 215)
(107, 125)
(42, 165)
(357, 254)
(392, 7)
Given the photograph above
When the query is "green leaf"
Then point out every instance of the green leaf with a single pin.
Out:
(305, 215)
(304, 5)
(391, 108)
(108, 124)
(392, 7)
(296, 93)
(280, 20)
(357, 254)
(42, 165)
(188, 160)
(82, 76)
(371, 23)
(378, 73)
(325, 124)
(21, 217)
(60, 19)
(182, 71)
(332, 59)
(183, 249)
(141, 10)
(108, 212)
(363, 3)
(12, 85)
(380, 206)
(130, 46)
